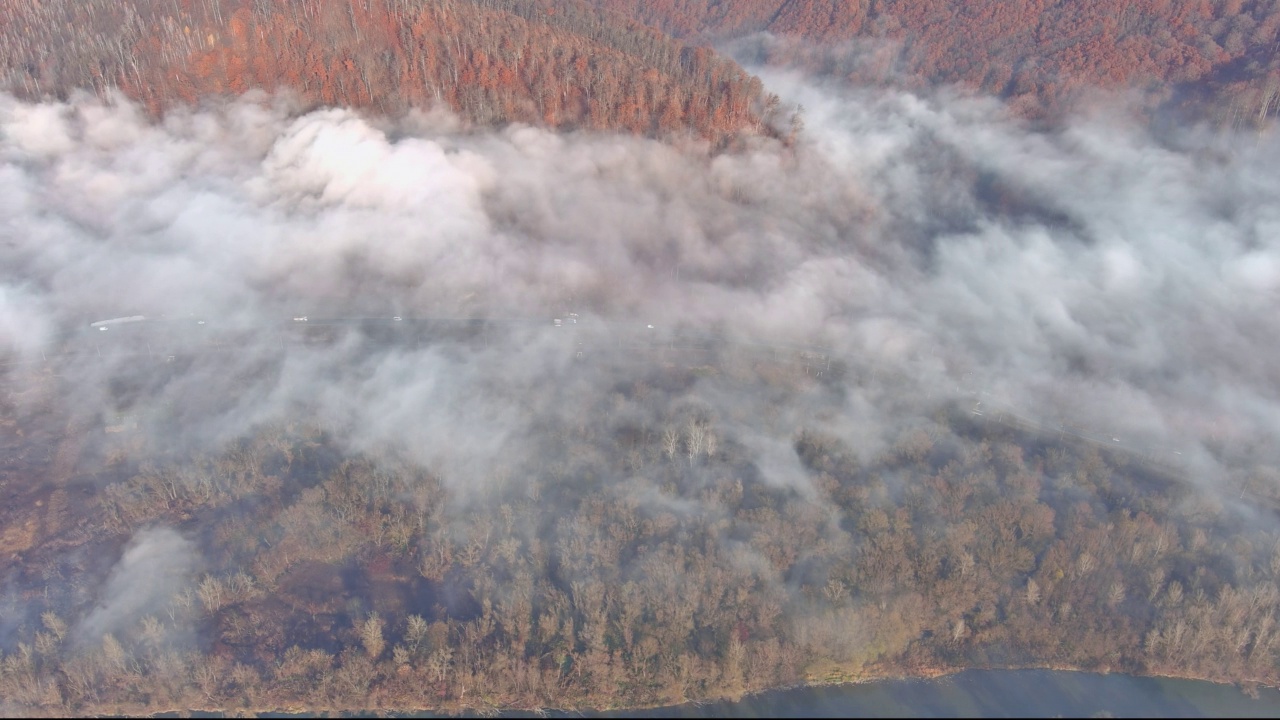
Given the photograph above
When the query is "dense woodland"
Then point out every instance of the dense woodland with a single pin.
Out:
(614, 64)
(558, 64)
(629, 562)
(637, 549)
(1219, 56)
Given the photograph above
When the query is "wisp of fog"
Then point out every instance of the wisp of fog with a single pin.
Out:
(1092, 277)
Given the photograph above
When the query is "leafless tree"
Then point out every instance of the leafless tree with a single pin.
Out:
(371, 636)
(695, 440)
(670, 442)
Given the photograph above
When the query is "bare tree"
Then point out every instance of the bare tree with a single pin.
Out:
(440, 662)
(54, 624)
(371, 636)
(1115, 595)
(113, 653)
(695, 440)
(835, 591)
(153, 631)
(1033, 592)
(415, 632)
(212, 594)
(670, 442)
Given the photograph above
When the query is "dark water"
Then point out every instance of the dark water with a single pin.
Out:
(1000, 693)
(973, 693)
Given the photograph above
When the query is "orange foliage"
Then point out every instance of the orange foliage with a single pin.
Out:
(1036, 52)
(492, 61)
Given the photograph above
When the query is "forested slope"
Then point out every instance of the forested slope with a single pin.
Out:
(561, 64)
(614, 63)
(338, 581)
(1223, 53)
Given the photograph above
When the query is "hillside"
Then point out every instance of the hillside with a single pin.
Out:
(563, 64)
(335, 582)
(1220, 53)
(642, 66)
(348, 411)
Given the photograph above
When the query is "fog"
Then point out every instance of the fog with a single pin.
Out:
(156, 565)
(1094, 277)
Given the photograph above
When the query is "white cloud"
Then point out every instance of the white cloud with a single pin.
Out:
(1095, 273)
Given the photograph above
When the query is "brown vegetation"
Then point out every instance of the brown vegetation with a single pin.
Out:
(562, 64)
(611, 64)
(1040, 54)
(335, 581)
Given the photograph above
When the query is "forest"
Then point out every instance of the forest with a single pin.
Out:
(561, 65)
(640, 557)
(274, 513)
(645, 67)
(1213, 58)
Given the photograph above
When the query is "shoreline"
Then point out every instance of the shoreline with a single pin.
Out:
(871, 679)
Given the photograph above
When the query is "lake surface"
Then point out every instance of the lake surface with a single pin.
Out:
(999, 693)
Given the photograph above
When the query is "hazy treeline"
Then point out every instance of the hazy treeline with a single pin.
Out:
(672, 568)
(1217, 56)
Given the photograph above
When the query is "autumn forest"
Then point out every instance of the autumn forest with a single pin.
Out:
(642, 67)
(468, 356)
(361, 581)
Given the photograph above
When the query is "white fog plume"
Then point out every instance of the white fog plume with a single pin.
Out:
(156, 565)
(1093, 278)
